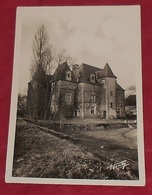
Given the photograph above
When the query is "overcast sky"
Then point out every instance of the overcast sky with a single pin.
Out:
(92, 35)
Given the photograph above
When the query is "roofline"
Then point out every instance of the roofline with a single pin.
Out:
(63, 80)
(91, 66)
(120, 89)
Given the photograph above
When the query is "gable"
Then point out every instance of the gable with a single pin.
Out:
(63, 72)
(87, 72)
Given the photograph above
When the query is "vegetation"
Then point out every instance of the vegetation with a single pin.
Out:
(45, 59)
(39, 152)
(22, 106)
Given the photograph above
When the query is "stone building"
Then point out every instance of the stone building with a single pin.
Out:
(86, 91)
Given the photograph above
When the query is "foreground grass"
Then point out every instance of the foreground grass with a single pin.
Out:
(41, 154)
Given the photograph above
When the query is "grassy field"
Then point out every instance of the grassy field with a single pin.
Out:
(44, 150)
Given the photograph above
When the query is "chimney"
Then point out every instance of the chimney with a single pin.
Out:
(75, 70)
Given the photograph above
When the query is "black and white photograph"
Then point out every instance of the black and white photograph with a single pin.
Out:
(76, 113)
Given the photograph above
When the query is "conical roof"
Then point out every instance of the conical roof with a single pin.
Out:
(107, 72)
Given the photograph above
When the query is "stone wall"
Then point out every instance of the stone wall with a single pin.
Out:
(86, 100)
(120, 103)
(63, 98)
(89, 100)
(110, 97)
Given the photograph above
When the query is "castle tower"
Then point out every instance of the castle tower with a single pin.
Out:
(110, 93)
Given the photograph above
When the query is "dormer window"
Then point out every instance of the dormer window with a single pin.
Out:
(53, 84)
(68, 76)
(92, 78)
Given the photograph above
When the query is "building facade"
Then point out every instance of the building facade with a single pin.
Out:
(86, 91)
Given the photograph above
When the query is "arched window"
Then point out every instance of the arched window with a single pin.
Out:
(92, 78)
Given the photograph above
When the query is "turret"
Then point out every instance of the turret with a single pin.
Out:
(110, 92)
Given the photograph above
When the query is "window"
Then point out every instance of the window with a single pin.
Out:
(68, 97)
(53, 85)
(111, 105)
(118, 111)
(92, 78)
(68, 76)
(111, 93)
(93, 98)
(92, 110)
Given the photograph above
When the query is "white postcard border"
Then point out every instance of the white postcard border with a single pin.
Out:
(12, 125)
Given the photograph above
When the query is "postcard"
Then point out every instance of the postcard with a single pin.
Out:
(76, 112)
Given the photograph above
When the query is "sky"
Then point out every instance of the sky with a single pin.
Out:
(92, 35)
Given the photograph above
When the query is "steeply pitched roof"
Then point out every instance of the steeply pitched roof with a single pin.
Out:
(119, 87)
(99, 74)
(130, 100)
(107, 72)
(86, 70)
(60, 73)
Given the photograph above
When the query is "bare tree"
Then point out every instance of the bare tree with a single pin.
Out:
(22, 105)
(43, 52)
(43, 64)
(41, 69)
(62, 57)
